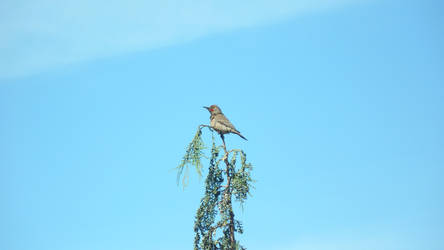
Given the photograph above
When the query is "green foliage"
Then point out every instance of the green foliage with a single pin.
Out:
(215, 224)
(241, 181)
(207, 211)
(192, 157)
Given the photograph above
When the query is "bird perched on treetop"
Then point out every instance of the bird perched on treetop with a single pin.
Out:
(220, 123)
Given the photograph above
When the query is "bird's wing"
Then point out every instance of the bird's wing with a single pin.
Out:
(225, 122)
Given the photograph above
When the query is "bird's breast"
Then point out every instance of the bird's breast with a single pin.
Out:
(213, 122)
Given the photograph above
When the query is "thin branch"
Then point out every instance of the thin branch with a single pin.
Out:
(207, 126)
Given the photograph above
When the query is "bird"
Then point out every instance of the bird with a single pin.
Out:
(220, 123)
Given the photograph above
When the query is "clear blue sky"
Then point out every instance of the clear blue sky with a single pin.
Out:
(342, 103)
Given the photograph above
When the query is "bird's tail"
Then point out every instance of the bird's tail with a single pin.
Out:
(239, 134)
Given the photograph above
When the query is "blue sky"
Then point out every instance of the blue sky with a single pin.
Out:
(341, 102)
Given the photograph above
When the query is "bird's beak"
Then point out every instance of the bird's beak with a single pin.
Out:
(208, 108)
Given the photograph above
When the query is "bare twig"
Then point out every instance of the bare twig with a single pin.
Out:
(207, 126)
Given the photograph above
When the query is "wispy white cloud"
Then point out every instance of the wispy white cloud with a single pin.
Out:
(40, 35)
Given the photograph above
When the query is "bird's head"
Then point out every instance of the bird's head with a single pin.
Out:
(214, 109)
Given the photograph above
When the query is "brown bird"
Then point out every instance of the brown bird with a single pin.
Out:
(220, 123)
